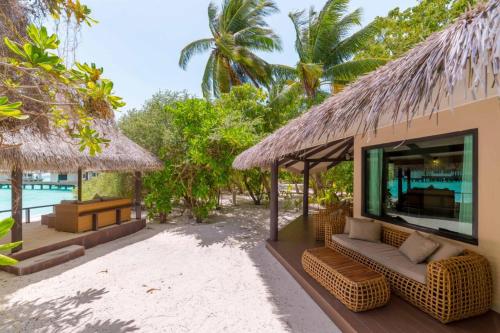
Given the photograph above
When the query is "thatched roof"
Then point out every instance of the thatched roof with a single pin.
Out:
(32, 149)
(465, 54)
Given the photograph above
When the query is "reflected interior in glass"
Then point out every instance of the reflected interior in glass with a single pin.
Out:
(426, 182)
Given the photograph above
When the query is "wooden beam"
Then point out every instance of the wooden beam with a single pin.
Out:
(305, 200)
(79, 185)
(342, 149)
(17, 207)
(309, 152)
(273, 220)
(138, 195)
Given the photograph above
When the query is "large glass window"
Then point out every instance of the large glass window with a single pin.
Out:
(428, 183)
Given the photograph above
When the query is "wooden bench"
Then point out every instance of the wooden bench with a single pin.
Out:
(358, 287)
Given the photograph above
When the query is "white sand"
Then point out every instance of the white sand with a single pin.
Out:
(181, 277)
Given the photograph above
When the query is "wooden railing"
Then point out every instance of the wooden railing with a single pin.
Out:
(28, 211)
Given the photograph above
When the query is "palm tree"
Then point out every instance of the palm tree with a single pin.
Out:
(238, 30)
(326, 50)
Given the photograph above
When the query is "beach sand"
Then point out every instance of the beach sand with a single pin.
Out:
(176, 277)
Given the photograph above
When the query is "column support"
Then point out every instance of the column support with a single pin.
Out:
(79, 184)
(17, 207)
(138, 195)
(305, 200)
(274, 202)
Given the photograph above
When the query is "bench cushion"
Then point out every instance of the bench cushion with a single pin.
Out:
(386, 255)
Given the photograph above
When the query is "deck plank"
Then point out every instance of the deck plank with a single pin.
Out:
(397, 316)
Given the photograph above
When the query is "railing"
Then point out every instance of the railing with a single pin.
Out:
(28, 211)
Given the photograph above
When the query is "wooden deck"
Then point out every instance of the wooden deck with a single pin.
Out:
(39, 239)
(397, 316)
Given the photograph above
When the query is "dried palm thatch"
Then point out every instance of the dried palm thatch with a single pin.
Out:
(33, 149)
(466, 53)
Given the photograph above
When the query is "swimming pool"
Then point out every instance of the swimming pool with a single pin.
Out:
(35, 198)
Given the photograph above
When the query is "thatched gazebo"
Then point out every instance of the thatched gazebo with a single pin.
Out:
(53, 150)
(456, 65)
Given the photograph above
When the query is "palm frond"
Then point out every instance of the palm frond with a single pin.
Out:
(198, 46)
(283, 72)
(208, 75)
(350, 70)
(352, 44)
(260, 39)
(299, 23)
(213, 21)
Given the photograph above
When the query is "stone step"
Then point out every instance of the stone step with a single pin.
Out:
(46, 260)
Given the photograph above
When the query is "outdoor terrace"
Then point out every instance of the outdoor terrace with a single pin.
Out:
(396, 316)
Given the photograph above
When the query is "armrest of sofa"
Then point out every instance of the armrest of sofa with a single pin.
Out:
(334, 225)
(462, 284)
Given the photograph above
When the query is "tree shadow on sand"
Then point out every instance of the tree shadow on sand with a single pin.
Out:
(59, 313)
(247, 227)
(244, 225)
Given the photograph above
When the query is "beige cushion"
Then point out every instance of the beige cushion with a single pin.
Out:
(417, 247)
(445, 250)
(368, 231)
(386, 255)
(349, 219)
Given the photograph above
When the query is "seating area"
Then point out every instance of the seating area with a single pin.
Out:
(323, 215)
(450, 289)
(80, 216)
(358, 287)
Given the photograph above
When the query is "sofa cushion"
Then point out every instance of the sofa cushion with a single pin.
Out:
(349, 219)
(367, 231)
(386, 255)
(417, 247)
(445, 250)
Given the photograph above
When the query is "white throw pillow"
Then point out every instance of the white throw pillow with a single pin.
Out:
(446, 250)
(349, 219)
(368, 231)
(417, 247)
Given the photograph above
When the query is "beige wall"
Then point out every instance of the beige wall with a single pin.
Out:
(485, 116)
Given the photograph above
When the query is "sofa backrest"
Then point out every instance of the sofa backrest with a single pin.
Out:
(393, 236)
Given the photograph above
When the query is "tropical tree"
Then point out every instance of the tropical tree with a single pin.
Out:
(36, 86)
(238, 30)
(401, 30)
(326, 49)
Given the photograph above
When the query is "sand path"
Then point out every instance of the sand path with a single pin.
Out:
(178, 277)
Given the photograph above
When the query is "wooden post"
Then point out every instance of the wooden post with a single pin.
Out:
(274, 202)
(305, 200)
(138, 197)
(400, 187)
(408, 180)
(79, 184)
(17, 207)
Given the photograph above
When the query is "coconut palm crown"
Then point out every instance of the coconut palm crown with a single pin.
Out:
(238, 30)
(326, 49)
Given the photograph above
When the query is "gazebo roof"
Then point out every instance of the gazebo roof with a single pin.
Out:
(53, 150)
(464, 55)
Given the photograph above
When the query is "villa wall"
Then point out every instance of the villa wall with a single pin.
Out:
(483, 115)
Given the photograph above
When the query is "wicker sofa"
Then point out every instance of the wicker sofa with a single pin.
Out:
(454, 288)
(321, 217)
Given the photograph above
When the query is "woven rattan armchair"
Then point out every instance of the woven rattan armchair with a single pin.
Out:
(320, 218)
(456, 288)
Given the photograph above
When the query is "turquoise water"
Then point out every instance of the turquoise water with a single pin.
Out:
(455, 186)
(35, 198)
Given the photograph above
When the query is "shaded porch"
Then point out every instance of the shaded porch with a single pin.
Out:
(397, 316)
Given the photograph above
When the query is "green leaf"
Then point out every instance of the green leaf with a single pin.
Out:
(13, 47)
(9, 246)
(7, 261)
(5, 226)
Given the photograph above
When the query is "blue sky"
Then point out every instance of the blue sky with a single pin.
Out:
(138, 42)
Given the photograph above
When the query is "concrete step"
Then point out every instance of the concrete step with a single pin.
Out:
(46, 260)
